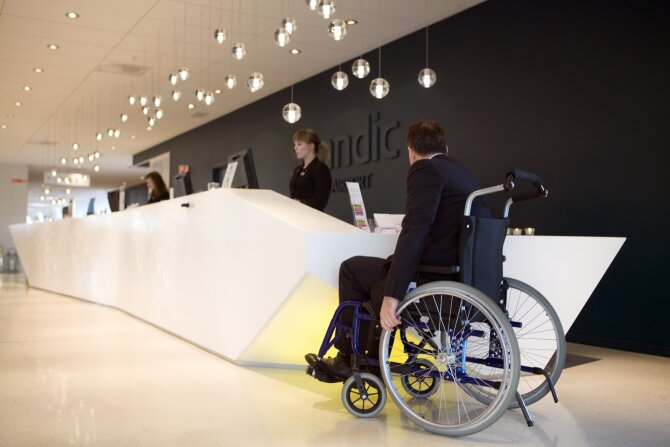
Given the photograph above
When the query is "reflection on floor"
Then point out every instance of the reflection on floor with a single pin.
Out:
(74, 373)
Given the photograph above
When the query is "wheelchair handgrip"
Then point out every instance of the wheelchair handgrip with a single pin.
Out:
(529, 177)
(520, 197)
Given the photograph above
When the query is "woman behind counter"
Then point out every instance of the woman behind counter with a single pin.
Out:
(310, 183)
(157, 189)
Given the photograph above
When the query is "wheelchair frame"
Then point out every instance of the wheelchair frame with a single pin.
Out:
(485, 374)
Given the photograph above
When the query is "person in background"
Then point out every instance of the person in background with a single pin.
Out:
(311, 181)
(157, 189)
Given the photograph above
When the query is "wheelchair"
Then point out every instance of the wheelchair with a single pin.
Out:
(466, 350)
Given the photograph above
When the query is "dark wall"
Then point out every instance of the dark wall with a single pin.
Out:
(575, 90)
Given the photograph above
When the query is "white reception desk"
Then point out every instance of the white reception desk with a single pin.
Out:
(252, 275)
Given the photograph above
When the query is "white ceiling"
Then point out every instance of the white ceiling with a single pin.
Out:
(122, 47)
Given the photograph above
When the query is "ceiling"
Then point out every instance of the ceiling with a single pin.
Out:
(129, 47)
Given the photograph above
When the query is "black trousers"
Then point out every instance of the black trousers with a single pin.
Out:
(361, 279)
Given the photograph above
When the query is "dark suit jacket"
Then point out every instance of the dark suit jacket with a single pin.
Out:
(311, 185)
(436, 192)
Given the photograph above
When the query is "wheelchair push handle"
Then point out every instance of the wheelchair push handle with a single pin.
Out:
(508, 185)
(528, 176)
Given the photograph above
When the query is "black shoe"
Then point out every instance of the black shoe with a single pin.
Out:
(311, 360)
(339, 365)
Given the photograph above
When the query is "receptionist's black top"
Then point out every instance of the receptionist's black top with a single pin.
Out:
(311, 185)
(159, 197)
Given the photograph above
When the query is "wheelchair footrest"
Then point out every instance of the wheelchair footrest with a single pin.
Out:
(322, 376)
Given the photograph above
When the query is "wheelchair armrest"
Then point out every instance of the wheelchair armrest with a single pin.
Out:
(439, 270)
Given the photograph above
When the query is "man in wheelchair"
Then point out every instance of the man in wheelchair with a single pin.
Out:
(437, 189)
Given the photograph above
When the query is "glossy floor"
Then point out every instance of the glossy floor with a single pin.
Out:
(75, 373)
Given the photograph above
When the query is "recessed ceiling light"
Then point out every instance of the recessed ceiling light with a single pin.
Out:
(10, 115)
(52, 46)
(190, 106)
(4, 126)
(38, 70)
(217, 91)
(295, 51)
(72, 15)
(18, 104)
(132, 137)
(351, 21)
(27, 88)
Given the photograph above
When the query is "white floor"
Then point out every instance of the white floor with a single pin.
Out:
(74, 373)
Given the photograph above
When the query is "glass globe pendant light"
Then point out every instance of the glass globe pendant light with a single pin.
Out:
(313, 4)
(379, 87)
(337, 29)
(159, 114)
(288, 25)
(176, 94)
(132, 99)
(117, 133)
(220, 35)
(427, 76)
(239, 51)
(124, 117)
(282, 37)
(230, 81)
(98, 136)
(326, 8)
(173, 78)
(339, 80)
(158, 100)
(199, 94)
(291, 111)
(209, 98)
(63, 161)
(183, 73)
(360, 68)
(145, 110)
(144, 100)
(255, 82)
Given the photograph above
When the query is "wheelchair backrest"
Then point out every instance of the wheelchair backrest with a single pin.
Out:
(480, 254)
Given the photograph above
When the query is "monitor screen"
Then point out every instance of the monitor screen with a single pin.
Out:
(113, 198)
(182, 185)
(245, 174)
(91, 207)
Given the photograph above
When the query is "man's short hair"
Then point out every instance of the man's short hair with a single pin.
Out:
(427, 137)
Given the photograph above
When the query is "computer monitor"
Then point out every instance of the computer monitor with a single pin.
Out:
(91, 207)
(113, 197)
(245, 174)
(182, 185)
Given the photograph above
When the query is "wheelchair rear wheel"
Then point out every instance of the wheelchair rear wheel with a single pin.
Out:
(469, 343)
(540, 337)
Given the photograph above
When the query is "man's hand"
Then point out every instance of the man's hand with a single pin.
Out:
(387, 313)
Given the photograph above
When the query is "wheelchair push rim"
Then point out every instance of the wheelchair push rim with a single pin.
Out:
(469, 342)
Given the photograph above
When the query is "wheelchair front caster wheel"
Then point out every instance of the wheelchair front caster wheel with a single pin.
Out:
(366, 402)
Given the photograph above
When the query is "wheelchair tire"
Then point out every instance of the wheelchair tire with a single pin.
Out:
(364, 405)
(420, 385)
(540, 325)
(451, 322)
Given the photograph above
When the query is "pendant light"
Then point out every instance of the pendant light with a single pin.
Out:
(291, 111)
(337, 29)
(339, 80)
(379, 87)
(360, 68)
(326, 8)
(255, 82)
(427, 76)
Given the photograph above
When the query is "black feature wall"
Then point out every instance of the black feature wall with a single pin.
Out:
(575, 90)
